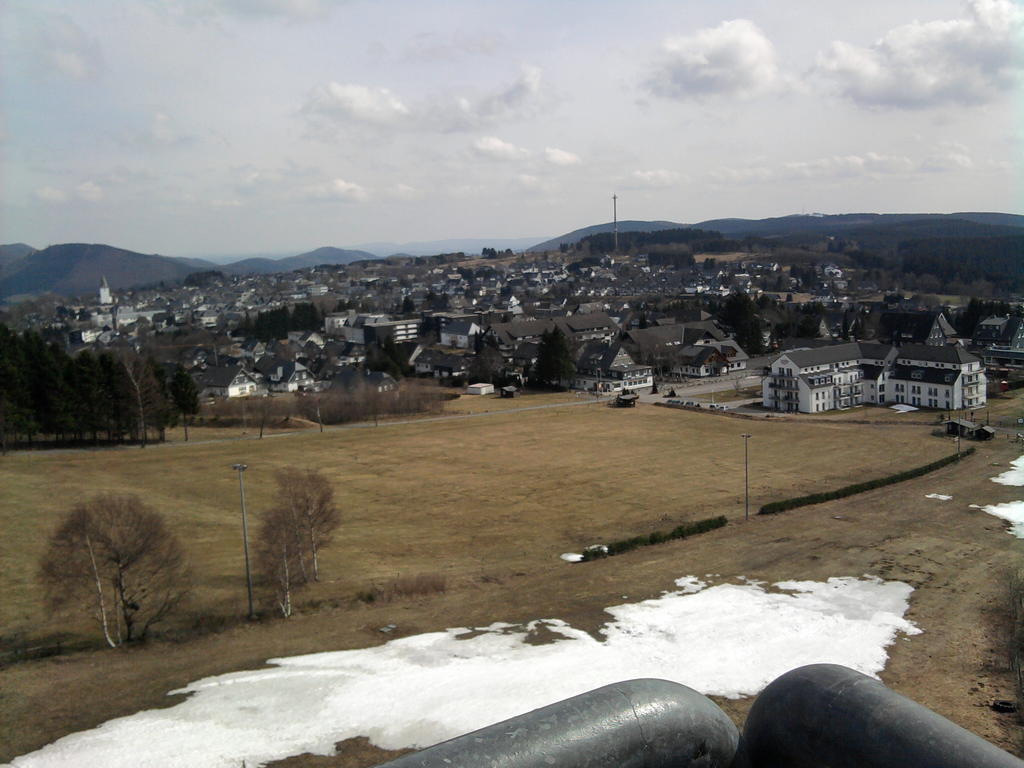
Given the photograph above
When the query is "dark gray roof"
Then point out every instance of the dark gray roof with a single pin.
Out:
(460, 327)
(825, 355)
(947, 353)
(926, 375)
(218, 376)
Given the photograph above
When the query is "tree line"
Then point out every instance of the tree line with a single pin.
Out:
(697, 239)
(276, 323)
(114, 559)
(112, 397)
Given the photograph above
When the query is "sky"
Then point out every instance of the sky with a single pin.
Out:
(198, 127)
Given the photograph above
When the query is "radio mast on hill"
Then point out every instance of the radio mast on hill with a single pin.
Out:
(615, 220)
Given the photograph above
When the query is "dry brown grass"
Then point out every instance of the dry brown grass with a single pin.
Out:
(487, 504)
(521, 487)
(420, 585)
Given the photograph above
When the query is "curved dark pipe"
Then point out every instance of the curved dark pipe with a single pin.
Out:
(827, 715)
(644, 723)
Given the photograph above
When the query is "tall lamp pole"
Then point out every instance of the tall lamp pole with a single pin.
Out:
(746, 476)
(245, 535)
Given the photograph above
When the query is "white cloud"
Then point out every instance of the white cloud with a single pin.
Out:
(870, 163)
(495, 148)
(67, 48)
(339, 102)
(346, 190)
(530, 182)
(517, 99)
(511, 97)
(560, 157)
(89, 190)
(947, 157)
(290, 10)
(971, 60)
(733, 59)
(51, 195)
(430, 46)
(356, 102)
(164, 131)
(405, 192)
(658, 177)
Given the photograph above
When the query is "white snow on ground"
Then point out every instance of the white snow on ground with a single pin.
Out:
(903, 408)
(730, 640)
(571, 557)
(1012, 511)
(1013, 476)
(939, 496)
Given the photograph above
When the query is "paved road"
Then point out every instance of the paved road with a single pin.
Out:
(701, 389)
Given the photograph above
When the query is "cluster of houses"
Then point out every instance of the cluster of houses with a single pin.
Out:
(449, 346)
(443, 317)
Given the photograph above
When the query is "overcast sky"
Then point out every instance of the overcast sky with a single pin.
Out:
(213, 126)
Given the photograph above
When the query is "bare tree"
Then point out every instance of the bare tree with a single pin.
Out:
(146, 392)
(113, 556)
(279, 558)
(306, 498)
(264, 409)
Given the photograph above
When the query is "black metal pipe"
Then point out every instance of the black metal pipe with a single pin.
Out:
(827, 715)
(644, 723)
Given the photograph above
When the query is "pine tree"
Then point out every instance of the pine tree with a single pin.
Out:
(185, 396)
(554, 359)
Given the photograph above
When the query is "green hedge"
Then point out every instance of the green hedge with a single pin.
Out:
(775, 507)
(658, 537)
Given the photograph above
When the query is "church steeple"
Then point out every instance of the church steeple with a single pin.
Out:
(105, 297)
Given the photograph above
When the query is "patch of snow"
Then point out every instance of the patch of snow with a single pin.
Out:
(571, 557)
(903, 408)
(1012, 511)
(1013, 476)
(689, 585)
(975, 506)
(727, 640)
(939, 496)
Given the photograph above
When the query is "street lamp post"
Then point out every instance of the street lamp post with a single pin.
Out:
(245, 535)
(746, 476)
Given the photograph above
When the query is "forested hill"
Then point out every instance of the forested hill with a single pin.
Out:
(965, 260)
(314, 258)
(76, 268)
(888, 226)
(571, 238)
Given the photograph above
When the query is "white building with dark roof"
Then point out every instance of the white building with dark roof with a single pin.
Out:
(847, 375)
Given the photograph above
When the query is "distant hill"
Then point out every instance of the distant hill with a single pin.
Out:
(13, 252)
(624, 226)
(915, 224)
(467, 245)
(325, 255)
(76, 268)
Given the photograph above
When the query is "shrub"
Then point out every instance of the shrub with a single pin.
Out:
(405, 586)
(656, 537)
(775, 507)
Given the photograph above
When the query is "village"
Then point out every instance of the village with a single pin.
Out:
(604, 325)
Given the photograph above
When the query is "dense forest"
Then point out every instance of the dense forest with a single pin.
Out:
(697, 239)
(47, 395)
(276, 323)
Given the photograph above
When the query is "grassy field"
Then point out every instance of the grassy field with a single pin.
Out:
(448, 496)
(489, 503)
